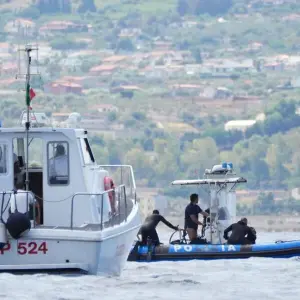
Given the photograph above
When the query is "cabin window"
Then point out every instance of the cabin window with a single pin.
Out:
(3, 159)
(88, 157)
(35, 157)
(58, 163)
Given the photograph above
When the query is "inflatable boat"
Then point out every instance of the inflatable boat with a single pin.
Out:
(221, 181)
(182, 251)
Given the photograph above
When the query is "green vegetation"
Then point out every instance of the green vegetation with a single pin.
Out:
(266, 205)
(267, 161)
(175, 50)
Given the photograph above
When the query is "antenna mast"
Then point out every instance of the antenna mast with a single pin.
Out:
(27, 49)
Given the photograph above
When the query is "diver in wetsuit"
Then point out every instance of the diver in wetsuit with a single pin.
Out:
(148, 229)
(251, 237)
(239, 231)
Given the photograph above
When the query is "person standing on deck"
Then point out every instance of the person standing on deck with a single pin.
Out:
(192, 212)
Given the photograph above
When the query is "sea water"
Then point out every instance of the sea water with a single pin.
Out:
(253, 279)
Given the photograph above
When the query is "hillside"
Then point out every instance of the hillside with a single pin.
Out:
(157, 82)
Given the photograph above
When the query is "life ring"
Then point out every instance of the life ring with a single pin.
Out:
(108, 185)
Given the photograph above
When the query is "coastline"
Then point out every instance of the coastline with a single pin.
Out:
(269, 223)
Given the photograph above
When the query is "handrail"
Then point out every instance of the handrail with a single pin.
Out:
(100, 194)
(131, 173)
(128, 166)
(119, 189)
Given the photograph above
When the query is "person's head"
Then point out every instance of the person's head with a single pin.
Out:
(155, 212)
(244, 220)
(194, 198)
(60, 150)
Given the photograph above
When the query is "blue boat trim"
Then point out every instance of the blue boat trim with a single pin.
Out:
(189, 252)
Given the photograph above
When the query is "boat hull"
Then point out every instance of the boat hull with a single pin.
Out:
(213, 252)
(62, 250)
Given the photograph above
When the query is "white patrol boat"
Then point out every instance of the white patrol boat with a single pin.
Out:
(85, 216)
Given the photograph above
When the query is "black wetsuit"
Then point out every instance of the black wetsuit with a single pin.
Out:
(148, 229)
(239, 231)
(251, 237)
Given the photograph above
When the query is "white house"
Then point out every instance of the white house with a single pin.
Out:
(241, 125)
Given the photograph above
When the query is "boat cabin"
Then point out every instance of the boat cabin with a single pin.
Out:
(60, 164)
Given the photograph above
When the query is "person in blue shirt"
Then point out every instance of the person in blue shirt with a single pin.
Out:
(192, 212)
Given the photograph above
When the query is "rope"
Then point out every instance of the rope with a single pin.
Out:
(56, 201)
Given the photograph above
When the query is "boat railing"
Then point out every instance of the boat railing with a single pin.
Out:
(123, 175)
(114, 219)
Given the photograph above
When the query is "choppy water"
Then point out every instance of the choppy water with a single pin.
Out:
(251, 279)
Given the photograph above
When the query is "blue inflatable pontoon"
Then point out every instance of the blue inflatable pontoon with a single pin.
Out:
(183, 252)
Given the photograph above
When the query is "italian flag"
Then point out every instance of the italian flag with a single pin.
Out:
(30, 94)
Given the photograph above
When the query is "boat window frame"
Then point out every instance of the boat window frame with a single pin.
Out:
(30, 159)
(48, 165)
(83, 142)
(5, 144)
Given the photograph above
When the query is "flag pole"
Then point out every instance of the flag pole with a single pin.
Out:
(28, 49)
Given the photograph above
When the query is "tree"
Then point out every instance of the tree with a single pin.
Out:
(166, 167)
(187, 117)
(160, 146)
(273, 123)
(258, 146)
(140, 163)
(126, 45)
(127, 94)
(148, 145)
(182, 7)
(54, 6)
(260, 170)
(200, 155)
(286, 109)
(275, 158)
(265, 203)
(87, 5)
(112, 116)
(139, 116)
(212, 7)
(30, 12)
(101, 154)
(196, 52)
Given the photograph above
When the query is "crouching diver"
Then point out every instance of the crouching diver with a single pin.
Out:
(148, 229)
(251, 237)
(239, 231)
